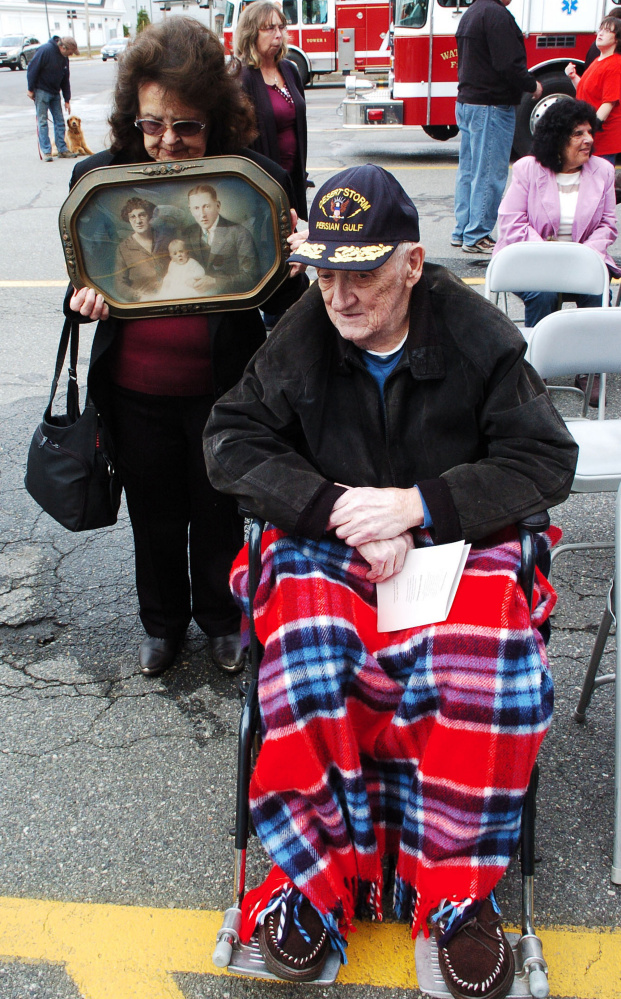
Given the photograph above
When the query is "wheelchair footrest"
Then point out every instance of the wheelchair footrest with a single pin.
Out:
(247, 959)
(430, 978)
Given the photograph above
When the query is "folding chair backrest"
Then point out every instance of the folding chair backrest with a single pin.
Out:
(576, 341)
(561, 267)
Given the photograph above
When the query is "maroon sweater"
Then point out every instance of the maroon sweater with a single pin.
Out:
(164, 356)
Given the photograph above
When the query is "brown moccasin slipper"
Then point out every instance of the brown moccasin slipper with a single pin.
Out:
(476, 959)
(293, 940)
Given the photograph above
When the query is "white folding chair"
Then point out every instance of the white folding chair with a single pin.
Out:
(563, 344)
(566, 268)
(569, 268)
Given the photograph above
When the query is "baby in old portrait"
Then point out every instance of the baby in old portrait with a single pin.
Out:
(183, 274)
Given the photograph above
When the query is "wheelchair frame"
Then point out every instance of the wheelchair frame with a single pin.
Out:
(530, 967)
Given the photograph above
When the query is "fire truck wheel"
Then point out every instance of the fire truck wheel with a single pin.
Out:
(441, 132)
(529, 112)
(300, 64)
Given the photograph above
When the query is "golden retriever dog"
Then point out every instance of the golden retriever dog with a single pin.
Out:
(74, 137)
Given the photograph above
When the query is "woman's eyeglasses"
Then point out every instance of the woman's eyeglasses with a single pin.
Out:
(273, 27)
(184, 129)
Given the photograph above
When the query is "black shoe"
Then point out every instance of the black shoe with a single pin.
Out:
(157, 654)
(226, 652)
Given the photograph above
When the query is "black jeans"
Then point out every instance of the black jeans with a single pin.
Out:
(160, 460)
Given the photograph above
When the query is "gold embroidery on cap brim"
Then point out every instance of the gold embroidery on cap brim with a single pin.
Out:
(358, 254)
(311, 250)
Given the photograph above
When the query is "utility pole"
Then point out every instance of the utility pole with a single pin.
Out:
(88, 28)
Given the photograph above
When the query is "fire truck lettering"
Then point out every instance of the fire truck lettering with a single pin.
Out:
(448, 54)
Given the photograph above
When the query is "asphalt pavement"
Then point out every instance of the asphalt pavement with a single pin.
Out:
(117, 790)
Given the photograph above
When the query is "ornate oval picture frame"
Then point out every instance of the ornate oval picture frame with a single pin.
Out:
(177, 238)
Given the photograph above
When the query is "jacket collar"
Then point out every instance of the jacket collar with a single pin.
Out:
(547, 190)
(423, 353)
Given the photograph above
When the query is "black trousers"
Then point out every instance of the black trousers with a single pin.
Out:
(171, 502)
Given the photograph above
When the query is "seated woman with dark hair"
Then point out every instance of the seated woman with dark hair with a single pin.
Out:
(562, 193)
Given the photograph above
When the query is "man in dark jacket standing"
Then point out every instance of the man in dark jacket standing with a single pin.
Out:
(492, 78)
(389, 407)
(48, 75)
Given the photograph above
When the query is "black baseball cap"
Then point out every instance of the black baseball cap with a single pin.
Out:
(357, 220)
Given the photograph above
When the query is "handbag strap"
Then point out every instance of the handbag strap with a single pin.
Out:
(70, 337)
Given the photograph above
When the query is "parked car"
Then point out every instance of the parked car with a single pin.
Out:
(16, 51)
(114, 48)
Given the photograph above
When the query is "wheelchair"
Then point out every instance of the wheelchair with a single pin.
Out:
(246, 959)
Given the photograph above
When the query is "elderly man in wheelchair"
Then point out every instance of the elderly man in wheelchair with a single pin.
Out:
(390, 408)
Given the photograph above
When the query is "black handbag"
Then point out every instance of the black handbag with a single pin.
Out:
(70, 470)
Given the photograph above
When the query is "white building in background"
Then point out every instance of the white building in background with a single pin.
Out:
(209, 12)
(44, 18)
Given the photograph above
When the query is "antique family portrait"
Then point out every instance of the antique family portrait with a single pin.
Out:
(146, 243)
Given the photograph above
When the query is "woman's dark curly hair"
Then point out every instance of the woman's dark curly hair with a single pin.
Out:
(136, 203)
(187, 60)
(554, 128)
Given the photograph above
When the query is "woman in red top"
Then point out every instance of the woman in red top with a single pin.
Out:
(600, 86)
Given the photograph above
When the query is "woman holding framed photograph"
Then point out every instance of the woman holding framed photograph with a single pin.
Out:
(154, 380)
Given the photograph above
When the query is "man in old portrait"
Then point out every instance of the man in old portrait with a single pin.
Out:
(225, 249)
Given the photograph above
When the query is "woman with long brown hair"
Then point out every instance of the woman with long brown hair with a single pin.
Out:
(274, 86)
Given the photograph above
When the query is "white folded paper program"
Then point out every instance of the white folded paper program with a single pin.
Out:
(423, 592)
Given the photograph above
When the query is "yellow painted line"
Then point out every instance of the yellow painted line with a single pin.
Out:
(34, 284)
(132, 953)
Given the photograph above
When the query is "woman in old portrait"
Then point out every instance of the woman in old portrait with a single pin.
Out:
(142, 258)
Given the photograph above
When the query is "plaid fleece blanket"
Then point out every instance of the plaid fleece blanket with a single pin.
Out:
(416, 743)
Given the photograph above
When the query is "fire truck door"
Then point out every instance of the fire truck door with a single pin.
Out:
(369, 24)
(425, 59)
(317, 32)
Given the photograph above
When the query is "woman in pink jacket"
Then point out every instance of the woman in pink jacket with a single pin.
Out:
(563, 193)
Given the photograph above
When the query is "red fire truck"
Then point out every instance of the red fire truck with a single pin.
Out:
(328, 35)
(423, 75)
